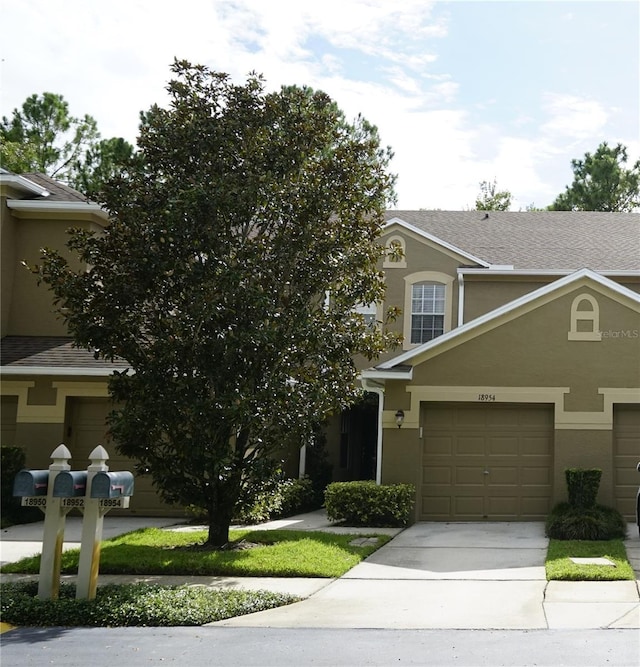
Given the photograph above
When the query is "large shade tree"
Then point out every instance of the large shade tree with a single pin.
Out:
(602, 182)
(243, 236)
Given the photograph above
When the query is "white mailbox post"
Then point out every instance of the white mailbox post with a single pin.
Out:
(56, 491)
(53, 535)
(89, 563)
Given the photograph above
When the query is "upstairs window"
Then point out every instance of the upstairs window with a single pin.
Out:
(427, 312)
(369, 312)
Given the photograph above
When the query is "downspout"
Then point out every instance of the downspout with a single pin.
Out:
(375, 388)
(460, 299)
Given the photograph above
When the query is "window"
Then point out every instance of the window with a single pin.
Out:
(369, 312)
(428, 307)
(427, 312)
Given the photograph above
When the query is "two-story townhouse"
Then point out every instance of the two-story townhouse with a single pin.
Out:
(51, 392)
(521, 357)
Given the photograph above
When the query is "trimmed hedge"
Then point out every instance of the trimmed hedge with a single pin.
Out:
(582, 486)
(369, 504)
(569, 522)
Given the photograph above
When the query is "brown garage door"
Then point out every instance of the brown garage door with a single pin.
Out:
(486, 462)
(626, 455)
(86, 419)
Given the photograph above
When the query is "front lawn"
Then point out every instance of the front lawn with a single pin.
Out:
(260, 553)
(559, 565)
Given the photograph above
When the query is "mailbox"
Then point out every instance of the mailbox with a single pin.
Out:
(70, 484)
(112, 484)
(31, 483)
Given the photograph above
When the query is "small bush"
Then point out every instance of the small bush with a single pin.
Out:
(298, 496)
(368, 504)
(568, 522)
(12, 461)
(582, 486)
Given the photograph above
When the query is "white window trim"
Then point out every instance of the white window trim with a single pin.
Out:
(580, 315)
(426, 277)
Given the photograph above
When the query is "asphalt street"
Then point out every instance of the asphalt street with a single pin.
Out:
(299, 647)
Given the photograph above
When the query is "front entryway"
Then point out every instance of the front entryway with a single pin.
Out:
(486, 462)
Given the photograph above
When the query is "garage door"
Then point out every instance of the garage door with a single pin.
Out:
(626, 455)
(486, 462)
(86, 429)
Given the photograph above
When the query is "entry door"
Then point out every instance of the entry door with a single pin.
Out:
(486, 462)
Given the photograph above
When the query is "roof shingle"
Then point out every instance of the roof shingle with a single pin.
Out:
(539, 240)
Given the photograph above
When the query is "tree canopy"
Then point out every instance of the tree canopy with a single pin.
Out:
(602, 182)
(44, 137)
(492, 199)
(242, 211)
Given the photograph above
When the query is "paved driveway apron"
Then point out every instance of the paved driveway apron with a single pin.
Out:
(443, 575)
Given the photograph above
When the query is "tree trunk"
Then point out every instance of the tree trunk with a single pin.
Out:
(219, 523)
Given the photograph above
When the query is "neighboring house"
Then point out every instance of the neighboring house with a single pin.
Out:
(521, 357)
(51, 392)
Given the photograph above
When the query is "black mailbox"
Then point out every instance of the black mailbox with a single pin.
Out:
(70, 484)
(31, 483)
(112, 484)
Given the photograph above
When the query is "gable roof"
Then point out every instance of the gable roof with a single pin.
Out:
(553, 240)
(477, 326)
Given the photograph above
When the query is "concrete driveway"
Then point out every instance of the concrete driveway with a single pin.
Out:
(458, 575)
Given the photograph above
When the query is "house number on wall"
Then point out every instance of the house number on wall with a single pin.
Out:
(486, 397)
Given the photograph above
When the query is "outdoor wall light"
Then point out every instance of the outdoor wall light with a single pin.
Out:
(399, 417)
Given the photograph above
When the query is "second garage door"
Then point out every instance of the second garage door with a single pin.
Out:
(626, 455)
(87, 428)
(486, 462)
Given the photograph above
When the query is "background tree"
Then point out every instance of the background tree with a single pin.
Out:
(602, 183)
(101, 162)
(492, 199)
(44, 137)
(241, 212)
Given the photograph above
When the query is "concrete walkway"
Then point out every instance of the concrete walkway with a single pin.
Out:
(431, 575)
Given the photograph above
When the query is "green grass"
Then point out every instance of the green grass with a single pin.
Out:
(131, 605)
(559, 565)
(280, 553)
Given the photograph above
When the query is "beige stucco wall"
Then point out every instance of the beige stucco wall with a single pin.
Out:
(531, 357)
(484, 295)
(583, 449)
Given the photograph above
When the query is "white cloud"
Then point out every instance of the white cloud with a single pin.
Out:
(572, 116)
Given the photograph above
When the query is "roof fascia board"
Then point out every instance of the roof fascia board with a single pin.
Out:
(23, 184)
(376, 374)
(58, 207)
(521, 302)
(8, 371)
(434, 239)
(535, 272)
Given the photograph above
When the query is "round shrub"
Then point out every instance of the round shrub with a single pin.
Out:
(568, 522)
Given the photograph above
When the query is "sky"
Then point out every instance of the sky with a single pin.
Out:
(462, 91)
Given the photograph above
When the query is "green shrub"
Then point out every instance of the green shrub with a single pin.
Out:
(12, 461)
(132, 605)
(582, 486)
(568, 522)
(368, 504)
(298, 496)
